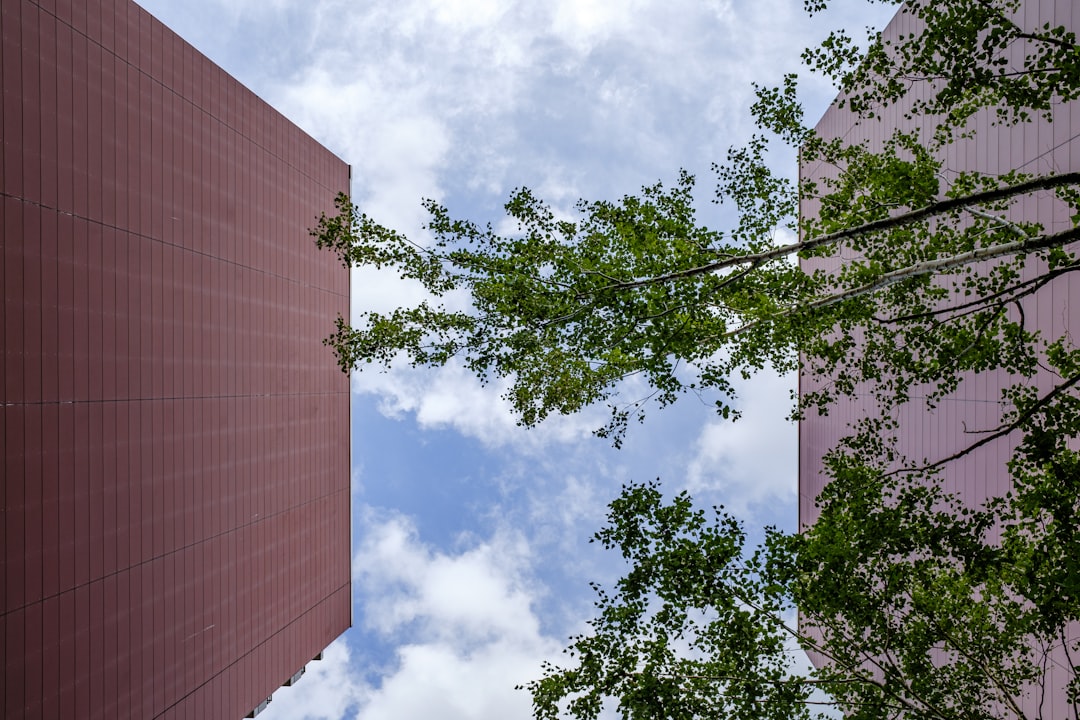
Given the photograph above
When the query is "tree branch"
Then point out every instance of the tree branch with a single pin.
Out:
(923, 268)
(948, 263)
(944, 206)
(1022, 289)
(1000, 432)
(981, 664)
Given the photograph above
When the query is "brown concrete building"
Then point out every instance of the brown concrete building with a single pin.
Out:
(174, 507)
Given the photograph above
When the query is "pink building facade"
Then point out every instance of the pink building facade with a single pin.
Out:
(175, 500)
(1039, 147)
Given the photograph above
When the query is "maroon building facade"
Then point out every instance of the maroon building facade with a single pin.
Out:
(1040, 147)
(175, 500)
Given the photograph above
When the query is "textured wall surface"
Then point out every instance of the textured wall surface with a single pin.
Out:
(1038, 147)
(175, 501)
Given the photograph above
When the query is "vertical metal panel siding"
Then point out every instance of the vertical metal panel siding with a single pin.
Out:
(1036, 147)
(175, 500)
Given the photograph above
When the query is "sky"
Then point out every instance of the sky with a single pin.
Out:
(471, 559)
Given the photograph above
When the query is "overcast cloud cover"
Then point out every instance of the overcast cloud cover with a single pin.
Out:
(471, 560)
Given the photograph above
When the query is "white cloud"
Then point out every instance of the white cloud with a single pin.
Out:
(473, 595)
(755, 459)
(438, 680)
(381, 122)
(451, 397)
(463, 622)
(464, 15)
(584, 23)
(327, 691)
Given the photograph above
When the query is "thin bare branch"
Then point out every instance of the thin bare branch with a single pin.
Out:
(1001, 432)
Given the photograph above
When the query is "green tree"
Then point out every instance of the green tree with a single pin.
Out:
(914, 606)
(917, 605)
(566, 310)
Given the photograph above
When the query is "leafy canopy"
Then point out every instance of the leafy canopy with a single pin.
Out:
(565, 310)
(912, 606)
(907, 279)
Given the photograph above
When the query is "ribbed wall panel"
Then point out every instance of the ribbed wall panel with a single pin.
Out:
(175, 503)
(1038, 147)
